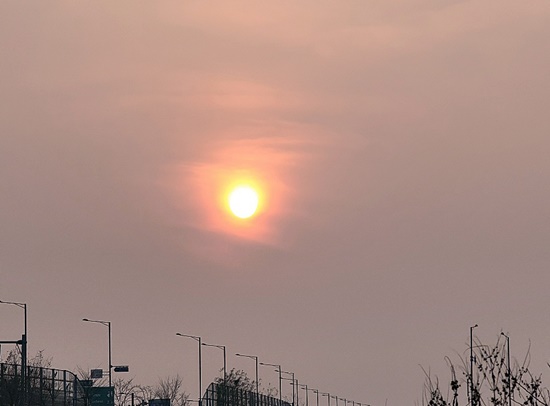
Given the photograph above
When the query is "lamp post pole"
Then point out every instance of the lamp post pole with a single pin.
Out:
(221, 347)
(316, 391)
(292, 382)
(24, 349)
(199, 340)
(307, 396)
(255, 358)
(509, 370)
(472, 365)
(280, 377)
(328, 397)
(108, 325)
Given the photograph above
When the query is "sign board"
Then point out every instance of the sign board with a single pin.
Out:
(159, 402)
(96, 373)
(102, 396)
(121, 368)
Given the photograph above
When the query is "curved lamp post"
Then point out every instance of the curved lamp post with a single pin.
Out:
(255, 358)
(509, 370)
(303, 386)
(221, 347)
(328, 397)
(292, 383)
(199, 340)
(24, 346)
(472, 364)
(108, 325)
(280, 377)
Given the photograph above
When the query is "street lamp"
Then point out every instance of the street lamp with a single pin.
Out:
(199, 340)
(316, 391)
(328, 397)
(307, 397)
(472, 364)
(221, 347)
(25, 341)
(295, 382)
(509, 370)
(108, 324)
(255, 358)
(280, 377)
(293, 390)
(22, 306)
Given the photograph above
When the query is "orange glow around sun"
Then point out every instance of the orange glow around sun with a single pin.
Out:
(241, 191)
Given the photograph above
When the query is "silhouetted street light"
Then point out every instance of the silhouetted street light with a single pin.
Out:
(328, 397)
(316, 391)
(295, 382)
(199, 340)
(472, 364)
(307, 396)
(509, 370)
(221, 347)
(292, 382)
(108, 325)
(280, 377)
(24, 345)
(254, 357)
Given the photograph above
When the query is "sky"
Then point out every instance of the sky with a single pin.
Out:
(400, 149)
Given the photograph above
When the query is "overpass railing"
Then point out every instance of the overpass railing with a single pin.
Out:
(42, 387)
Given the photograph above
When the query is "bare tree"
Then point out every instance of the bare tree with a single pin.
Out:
(171, 388)
(492, 381)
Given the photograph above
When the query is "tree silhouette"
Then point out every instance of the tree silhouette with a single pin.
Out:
(493, 381)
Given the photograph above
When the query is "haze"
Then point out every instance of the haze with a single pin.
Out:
(403, 147)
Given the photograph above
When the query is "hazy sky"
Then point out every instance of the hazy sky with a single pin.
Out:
(402, 148)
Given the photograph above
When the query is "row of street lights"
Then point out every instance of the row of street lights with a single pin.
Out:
(294, 382)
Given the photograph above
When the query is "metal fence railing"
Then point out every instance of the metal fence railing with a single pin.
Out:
(221, 395)
(39, 387)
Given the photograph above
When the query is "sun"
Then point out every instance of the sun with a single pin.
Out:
(243, 201)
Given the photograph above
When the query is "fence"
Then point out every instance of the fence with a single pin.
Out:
(43, 387)
(221, 395)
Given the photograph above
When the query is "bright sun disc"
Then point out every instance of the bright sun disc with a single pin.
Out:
(243, 201)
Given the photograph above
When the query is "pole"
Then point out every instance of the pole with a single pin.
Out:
(224, 366)
(110, 359)
(509, 370)
(472, 365)
(24, 367)
(293, 392)
(200, 372)
(280, 378)
(257, 384)
(280, 386)
(108, 325)
(199, 340)
(254, 357)
(24, 349)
